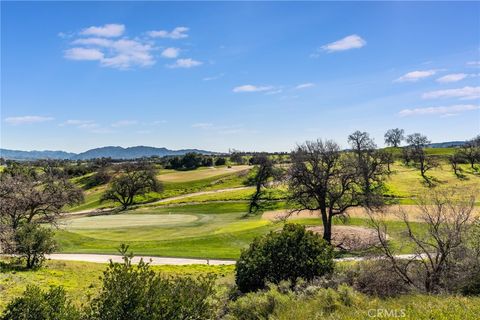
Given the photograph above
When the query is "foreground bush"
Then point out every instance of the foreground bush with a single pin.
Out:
(33, 242)
(314, 302)
(137, 292)
(36, 304)
(377, 277)
(287, 255)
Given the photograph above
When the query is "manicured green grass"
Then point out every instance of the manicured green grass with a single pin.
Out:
(209, 230)
(81, 279)
(184, 182)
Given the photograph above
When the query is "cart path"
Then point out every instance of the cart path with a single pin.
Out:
(105, 258)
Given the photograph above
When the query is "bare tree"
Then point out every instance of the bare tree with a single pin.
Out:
(394, 137)
(417, 142)
(470, 151)
(26, 199)
(387, 158)
(448, 216)
(370, 167)
(264, 171)
(132, 179)
(321, 178)
(455, 160)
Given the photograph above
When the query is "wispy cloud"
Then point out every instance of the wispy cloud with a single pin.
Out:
(465, 93)
(177, 33)
(349, 42)
(170, 52)
(416, 75)
(185, 63)
(305, 85)
(202, 125)
(26, 120)
(81, 124)
(107, 30)
(453, 77)
(215, 77)
(448, 110)
(473, 63)
(252, 88)
(124, 123)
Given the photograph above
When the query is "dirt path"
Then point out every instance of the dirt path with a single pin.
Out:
(103, 258)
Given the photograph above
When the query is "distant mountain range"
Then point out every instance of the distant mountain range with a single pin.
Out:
(132, 152)
(103, 152)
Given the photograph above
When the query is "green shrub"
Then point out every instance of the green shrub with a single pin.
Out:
(287, 255)
(259, 305)
(36, 304)
(32, 242)
(137, 292)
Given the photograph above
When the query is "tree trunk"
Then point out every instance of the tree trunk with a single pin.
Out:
(327, 226)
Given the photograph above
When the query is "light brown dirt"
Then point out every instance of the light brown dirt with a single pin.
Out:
(350, 238)
(389, 213)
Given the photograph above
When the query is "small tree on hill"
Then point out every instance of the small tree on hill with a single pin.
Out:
(394, 137)
(132, 180)
(455, 160)
(287, 255)
(32, 242)
(470, 151)
(264, 171)
(417, 142)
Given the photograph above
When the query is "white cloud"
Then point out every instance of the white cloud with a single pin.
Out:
(93, 41)
(81, 124)
(202, 125)
(252, 88)
(453, 77)
(83, 54)
(350, 42)
(107, 30)
(444, 111)
(185, 63)
(124, 123)
(473, 63)
(416, 75)
(177, 33)
(305, 85)
(215, 77)
(277, 91)
(170, 52)
(121, 54)
(465, 93)
(26, 120)
(107, 45)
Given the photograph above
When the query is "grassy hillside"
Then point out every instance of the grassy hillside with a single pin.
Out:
(82, 280)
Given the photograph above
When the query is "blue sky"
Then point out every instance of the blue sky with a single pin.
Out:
(249, 76)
